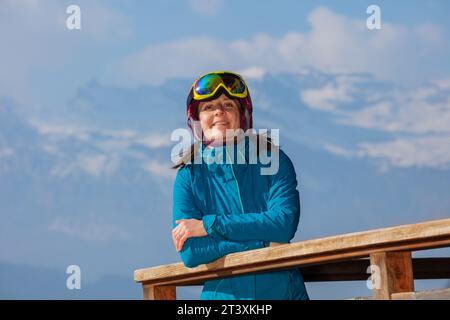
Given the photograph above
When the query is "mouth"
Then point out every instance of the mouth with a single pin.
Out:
(220, 123)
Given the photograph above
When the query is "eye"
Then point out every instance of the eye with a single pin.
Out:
(207, 107)
(228, 105)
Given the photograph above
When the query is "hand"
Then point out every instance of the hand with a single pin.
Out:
(185, 229)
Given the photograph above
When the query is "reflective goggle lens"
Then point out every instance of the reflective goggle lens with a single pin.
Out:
(233, 83)
(208, 83)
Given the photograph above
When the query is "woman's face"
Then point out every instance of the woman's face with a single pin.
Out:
(218, 115)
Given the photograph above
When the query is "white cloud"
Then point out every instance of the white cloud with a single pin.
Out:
(337, 150)
(154, 141)
(99, 164)
(60, 131)
(331, 95)
(108, 149)
(160, 169)
(94, 229)
(209, 7)
(253, 73)
(433, 152)
(93, 164)
(111, 140)
(417, 119)
(420, 111)
(157, 63)
(334, 43)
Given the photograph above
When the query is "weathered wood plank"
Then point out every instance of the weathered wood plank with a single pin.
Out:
(393, 274)
(154, 292)
(425, 235)
(437, 294)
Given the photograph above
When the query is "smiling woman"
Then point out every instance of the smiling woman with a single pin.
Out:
(217, 116)
(231, 207)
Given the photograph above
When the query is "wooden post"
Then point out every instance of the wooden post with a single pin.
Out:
(155, 292)
(395, 273)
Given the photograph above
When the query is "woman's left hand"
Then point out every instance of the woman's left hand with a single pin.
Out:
(185, 229)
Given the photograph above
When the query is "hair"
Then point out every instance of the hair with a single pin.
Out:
(188, 157)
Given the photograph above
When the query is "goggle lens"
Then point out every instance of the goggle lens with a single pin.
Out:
(208, 83)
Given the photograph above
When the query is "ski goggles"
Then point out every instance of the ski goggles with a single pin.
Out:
(207, 85)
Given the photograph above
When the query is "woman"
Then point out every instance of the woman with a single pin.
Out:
(226, 205)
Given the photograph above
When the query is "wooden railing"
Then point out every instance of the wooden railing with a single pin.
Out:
(383, 254)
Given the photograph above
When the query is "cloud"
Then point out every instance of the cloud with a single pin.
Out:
(39, 42)
(156, 63)
(332, 94)
(416, 119)
(334, 43)
(337, 150)
(111, 140)
(153, 141)
(160, 169)
(97, 152)
(432, 152)
(93, 164)
(93, 230)
(419, 152)
(208, 7)
(60, 132)
(253, 73)
(422, 110)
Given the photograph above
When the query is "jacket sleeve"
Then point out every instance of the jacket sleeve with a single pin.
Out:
(277, 224)
(200, 250)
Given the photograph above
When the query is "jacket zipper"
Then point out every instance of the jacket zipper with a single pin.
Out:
(242, 209)
(237, 186)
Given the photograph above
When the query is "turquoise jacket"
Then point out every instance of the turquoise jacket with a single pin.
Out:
(241, 210)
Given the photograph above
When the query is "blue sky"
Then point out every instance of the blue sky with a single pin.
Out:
(86, 116)
(115, 32)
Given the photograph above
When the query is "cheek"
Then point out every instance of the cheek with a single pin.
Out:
(236, 119)
(205, 121)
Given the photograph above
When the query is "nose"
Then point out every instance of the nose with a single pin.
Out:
(219, 109)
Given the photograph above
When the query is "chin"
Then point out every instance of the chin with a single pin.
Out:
(217, 133)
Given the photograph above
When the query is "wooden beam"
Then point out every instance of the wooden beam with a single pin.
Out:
(420, 236)
(154, 292)
(431, 268)
(356, 269)
(437, 294)
(393, 274)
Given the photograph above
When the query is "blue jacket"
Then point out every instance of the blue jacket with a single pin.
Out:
(241, 210)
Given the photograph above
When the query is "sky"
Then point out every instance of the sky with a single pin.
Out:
(132, 43)
(78, 108)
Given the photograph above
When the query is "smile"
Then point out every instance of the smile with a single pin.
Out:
(220, 123)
